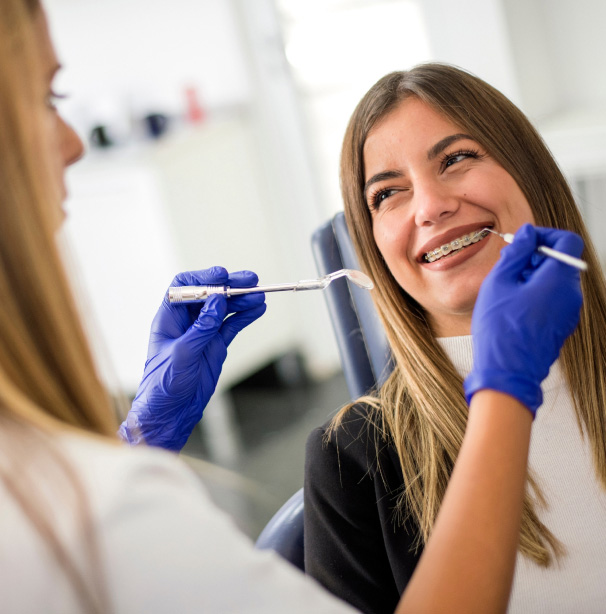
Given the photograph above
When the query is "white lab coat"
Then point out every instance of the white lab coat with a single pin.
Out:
(164, 546)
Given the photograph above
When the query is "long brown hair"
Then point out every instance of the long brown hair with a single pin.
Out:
(48, 380)
(421, 407)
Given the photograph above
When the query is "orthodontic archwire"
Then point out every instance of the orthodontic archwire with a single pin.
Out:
(457, 244)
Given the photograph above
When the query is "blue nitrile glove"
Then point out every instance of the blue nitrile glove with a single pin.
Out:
(526, 308)
(187, 348)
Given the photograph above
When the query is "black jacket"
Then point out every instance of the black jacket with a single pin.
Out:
(354, 543)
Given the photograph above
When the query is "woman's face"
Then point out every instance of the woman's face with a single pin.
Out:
(427, 185)
(64, 145)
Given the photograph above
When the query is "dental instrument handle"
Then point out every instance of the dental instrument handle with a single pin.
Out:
(304, 284)
(553, 253)
(198, 294)
(562, 257)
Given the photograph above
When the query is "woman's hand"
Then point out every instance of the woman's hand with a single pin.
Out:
(526, 308)
(187, 348)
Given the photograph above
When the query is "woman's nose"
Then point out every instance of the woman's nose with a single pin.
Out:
(72, 148)
(434, 203)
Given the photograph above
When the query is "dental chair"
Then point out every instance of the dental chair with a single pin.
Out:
(363, 348)
(365, 358)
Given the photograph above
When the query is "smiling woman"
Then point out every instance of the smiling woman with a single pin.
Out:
(431, 157)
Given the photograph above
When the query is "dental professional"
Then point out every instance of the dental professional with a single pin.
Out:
(430, 157)
(90, 524)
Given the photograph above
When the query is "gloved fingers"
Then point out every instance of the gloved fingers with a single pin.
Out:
(236, 322)
(212, 314)
(535, 261)
(206, 326)
(242, 279)
(558, 285)
(522, 258)
(552, 272)
(216, 275)
(170, 322)
(545, 236)
(245, 301)
(562, 240)
(215, 353)
(174, 320)
(525, 239)
(184, 315)
(515, 258)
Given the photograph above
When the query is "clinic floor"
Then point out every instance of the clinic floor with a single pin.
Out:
(273, 420)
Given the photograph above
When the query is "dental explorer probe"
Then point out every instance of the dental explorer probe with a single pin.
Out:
(548, 251)
(196, 294)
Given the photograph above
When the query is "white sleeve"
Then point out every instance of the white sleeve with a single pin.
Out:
(168, 548)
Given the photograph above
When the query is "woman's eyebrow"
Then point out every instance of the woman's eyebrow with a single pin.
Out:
(441, 145)
(381, 177)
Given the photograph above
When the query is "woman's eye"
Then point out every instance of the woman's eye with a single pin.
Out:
(52, 98)
(380, 197)
(459, 156)
(454, 159)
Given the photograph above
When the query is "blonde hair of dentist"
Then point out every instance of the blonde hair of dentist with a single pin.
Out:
(421, 406)
(47, 377)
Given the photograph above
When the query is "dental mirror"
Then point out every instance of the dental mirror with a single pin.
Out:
(193, 294)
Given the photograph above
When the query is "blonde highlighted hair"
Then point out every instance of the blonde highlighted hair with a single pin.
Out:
(421, 409)
(48, 380)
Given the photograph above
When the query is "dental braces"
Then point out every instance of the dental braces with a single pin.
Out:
(455, 245)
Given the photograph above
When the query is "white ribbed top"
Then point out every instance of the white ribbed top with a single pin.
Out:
(561, 460)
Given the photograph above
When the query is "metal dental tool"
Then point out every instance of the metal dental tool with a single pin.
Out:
(193, 294)
(548, 251)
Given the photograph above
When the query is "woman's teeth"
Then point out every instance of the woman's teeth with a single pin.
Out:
(455, 245)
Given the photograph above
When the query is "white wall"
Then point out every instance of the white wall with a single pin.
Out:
(143, 53)
(577, 48)
(337, 50)
(546, 55)
(559, 46)
(473, 34)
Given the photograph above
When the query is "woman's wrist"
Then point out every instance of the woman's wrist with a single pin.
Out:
(496, 410)
(526, 390)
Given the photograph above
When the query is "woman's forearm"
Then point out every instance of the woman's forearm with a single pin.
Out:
(468, 562)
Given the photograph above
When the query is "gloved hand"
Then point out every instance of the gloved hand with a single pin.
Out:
(187, 348)
(526, 308)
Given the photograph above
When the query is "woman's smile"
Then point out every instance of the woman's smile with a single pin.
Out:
(448, 247)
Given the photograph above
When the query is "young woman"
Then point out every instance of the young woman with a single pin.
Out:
(92, 525)
(431, 156)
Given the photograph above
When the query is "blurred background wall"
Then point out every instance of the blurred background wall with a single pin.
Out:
(214, 128)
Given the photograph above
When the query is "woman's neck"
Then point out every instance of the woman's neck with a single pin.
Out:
(450, 325)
